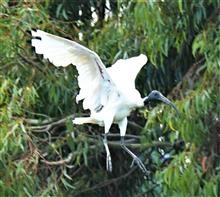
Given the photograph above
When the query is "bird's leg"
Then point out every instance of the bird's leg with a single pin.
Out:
(107, 124)
(108, 155)
(122, 126)
(135, 158)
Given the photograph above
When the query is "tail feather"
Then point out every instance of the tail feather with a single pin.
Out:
(84, 120)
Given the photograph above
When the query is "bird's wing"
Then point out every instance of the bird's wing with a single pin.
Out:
(94, 81)
(124, 71)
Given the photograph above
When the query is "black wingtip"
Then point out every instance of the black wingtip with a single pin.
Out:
(28, 32)
(40, 56)
(37, 37)
(29, 41)
(34, 29)
(32, 48)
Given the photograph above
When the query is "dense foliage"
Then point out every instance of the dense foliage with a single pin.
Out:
(43, 154)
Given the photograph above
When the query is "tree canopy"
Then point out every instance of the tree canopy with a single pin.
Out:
(43, 154)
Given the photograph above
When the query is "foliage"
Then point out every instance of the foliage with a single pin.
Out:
(43, 154)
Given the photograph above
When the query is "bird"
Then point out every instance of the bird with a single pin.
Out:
(108, 93)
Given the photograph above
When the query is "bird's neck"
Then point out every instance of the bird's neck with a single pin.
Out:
(145, 100)
(139, 103)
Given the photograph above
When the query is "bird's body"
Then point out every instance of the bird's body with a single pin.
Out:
(109, 93)
(117, 112)
(126, 98)
(119, 107)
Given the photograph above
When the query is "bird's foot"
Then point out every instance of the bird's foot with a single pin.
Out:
(140, 165)
(109, 163)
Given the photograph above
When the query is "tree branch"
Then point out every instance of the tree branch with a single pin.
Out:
(47, 125)
(108, 182)
(127, 135)
(40, 126)
(143, 146)
(191, 75)
(129, 143)
(135, 125)
(60, 162)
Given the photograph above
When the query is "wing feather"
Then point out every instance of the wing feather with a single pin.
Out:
(129, 68)
(94, 81)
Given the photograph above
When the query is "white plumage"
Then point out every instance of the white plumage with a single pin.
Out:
(109, 93)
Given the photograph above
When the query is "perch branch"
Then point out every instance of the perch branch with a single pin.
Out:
(42, 126)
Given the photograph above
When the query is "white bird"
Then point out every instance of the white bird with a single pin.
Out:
(109, 93)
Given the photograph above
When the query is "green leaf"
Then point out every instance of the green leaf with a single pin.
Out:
(180, 6)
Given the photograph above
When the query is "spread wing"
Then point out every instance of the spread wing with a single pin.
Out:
(124, 71)
(94, 81)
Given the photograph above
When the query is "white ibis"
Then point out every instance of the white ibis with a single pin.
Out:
(109, 93)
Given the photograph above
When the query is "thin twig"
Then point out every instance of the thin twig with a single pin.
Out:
(60, 162)
(46, 127)
(39, 122)
(135, 125)
(30, 62)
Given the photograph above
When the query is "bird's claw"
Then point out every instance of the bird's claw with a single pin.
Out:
(132, 163)
(109, 163)
(140, 165)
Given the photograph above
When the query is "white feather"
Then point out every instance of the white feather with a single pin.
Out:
(124, 71)
(93, 80)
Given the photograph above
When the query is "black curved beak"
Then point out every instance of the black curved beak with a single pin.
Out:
(167, 101)
(156, 95)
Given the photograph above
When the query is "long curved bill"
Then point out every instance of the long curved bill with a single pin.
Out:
(167, 101)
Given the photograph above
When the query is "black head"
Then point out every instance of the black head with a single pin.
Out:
(156, 95)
